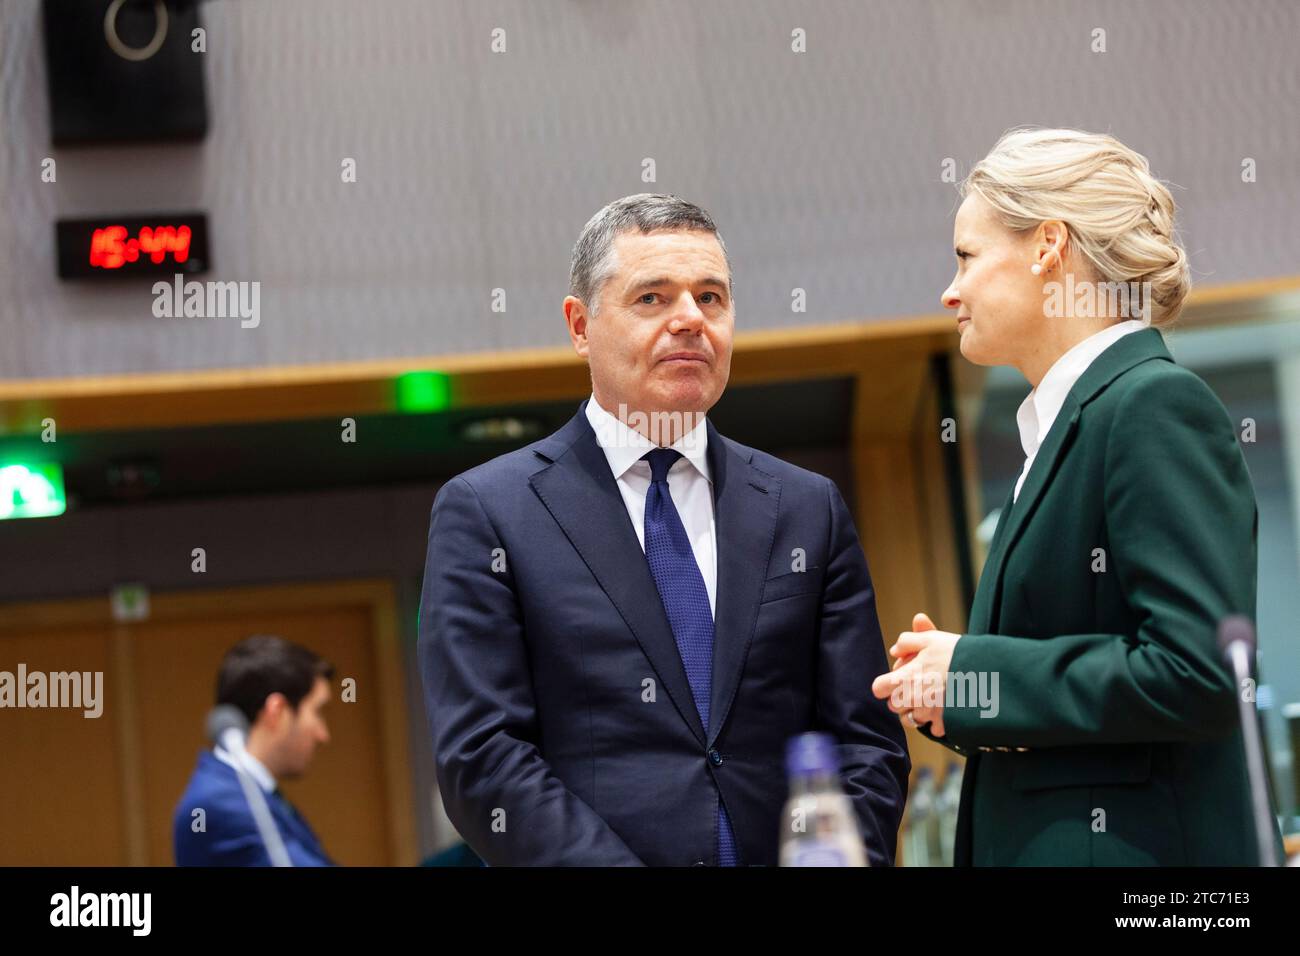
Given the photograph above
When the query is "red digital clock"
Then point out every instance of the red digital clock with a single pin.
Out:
(151, 245)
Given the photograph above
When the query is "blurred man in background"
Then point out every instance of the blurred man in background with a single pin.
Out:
(281, 688)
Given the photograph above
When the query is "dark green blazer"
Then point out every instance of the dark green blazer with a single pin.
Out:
(1116, 739)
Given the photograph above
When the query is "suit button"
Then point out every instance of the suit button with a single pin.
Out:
(715, 758)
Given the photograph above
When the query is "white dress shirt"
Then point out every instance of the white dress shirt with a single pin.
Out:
(1039, 409)
(255, 768)
(689, 483)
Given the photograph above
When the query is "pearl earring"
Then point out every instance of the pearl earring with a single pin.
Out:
(1036, 269)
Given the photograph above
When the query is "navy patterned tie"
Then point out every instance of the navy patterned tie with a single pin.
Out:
(681, 587)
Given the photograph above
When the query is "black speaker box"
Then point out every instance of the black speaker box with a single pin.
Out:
(124, 71)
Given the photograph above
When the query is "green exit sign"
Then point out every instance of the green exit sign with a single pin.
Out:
(32, 490)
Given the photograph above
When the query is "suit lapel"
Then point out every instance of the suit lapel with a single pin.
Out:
(745, 506)
(285, 818)
(1036, 482)
(580, 492)
(290, 821)
(1129, 351)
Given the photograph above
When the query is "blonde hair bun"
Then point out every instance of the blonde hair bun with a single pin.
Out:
(1120, 217)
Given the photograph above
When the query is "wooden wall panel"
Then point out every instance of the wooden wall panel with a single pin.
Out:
(60, 772)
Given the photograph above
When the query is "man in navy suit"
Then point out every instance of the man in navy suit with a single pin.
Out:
(623, 624)
(281, 688)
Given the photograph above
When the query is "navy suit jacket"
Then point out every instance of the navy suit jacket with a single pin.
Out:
(563, 727)
(231, 837)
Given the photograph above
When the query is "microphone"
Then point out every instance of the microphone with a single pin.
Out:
(1237, 642)
(227, 728)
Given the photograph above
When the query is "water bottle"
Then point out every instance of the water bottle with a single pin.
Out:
(819, 827)
(920, 820)
(949, 801)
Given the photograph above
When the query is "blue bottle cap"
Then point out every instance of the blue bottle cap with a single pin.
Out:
(811, 754)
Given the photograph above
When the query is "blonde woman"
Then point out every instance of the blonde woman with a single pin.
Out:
(1107, 730)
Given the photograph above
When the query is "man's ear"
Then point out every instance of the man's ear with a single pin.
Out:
(274, 709)
(576, 317)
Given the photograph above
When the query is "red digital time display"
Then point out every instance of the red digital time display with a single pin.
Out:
(112, 248)
(153, 245)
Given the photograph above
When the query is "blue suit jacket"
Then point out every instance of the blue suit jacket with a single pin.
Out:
(231, 837)
(563, 726)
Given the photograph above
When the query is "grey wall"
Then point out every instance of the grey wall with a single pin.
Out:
(476, 170)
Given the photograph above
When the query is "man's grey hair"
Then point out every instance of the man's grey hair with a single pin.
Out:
(593, 254)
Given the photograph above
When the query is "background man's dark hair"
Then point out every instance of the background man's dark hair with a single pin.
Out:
(262, 665)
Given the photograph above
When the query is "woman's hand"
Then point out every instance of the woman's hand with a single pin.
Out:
(918, 681)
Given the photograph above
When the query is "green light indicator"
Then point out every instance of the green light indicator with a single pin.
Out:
(32, 491)
(423, 392)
